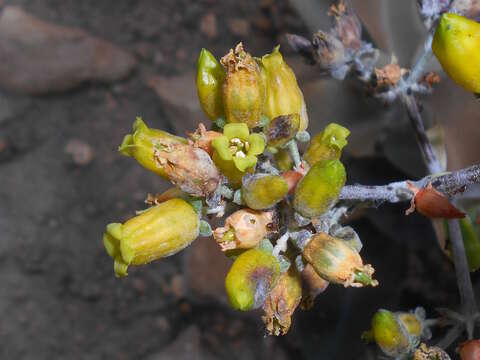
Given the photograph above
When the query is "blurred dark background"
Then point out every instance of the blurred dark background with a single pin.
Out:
(66, 100)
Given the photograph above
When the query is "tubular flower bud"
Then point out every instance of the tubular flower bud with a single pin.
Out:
(203, 138)
(313, 285)
(284, 96)
(243, 89)
(456, 45)
(282, 302)
(235, 152)
(389, 333)
(469, 350)
(210, 79)
(188, 167)
(142, 143)
(158, 232)
(262, 191)
(337, 262)
(282, 129)
(431, 353)
(327, 145)
(319, 188)
(251, 278)
(244, 229)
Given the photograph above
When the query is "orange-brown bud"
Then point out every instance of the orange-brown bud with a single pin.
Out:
(469, 350)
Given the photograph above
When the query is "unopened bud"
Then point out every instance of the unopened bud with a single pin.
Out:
(327, 145)
(263, 191)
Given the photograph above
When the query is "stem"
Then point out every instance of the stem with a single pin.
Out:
(449, 183)
(417, 123)
(293, 148)
(467, 296)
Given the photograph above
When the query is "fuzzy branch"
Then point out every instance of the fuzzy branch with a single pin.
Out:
(449, 183)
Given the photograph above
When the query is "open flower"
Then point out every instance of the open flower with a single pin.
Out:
(236, 151)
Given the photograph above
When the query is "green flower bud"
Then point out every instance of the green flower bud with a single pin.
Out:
(210, 78)
(243, 89)
(282, 302)
(319, 188)
(389, 333)
(143, 142)
(262, 191)
(284, 97)
(251, 278)
(158, 232)
(337, 262)
(282, 129)
(327, 145)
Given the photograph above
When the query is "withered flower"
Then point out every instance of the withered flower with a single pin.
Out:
(312, 286)
(282, 302)
(244, 229)
(188, 167)
(202, 138)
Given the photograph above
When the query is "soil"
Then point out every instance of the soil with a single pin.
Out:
(59, 298)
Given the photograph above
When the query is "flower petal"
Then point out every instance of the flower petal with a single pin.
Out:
(220, 144)
(243, 163)
(257, 144)
(236, 130)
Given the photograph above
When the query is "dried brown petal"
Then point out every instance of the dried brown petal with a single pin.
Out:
(389, 75)
(292, 177)
(282, 302)
(430, 353)
(202, 138)
(432, 203)
(348, 27)
(249, 228)
(156, 199)
(188, 167)
(431, 78)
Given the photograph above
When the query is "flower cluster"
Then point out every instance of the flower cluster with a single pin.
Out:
(281, 226)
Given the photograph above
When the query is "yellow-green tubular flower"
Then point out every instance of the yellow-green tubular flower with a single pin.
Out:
(158, 232)
(390, 334)
(456, 45)
(210, 78)
(243, 89)
(251, 278)
(284, 97)
(282, 129)
(244, 229)
(142, 143)
(319, 188)
(282, 302)
(327, 145)
(337, 262)
(262, 191)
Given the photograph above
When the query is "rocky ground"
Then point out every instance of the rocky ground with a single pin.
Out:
(73, 77)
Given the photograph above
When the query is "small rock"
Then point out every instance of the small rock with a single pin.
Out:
(50, 58)
(81, 153)
(239, 27)
(208, 25)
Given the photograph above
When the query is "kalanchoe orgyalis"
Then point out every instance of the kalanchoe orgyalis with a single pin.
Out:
(160, 231)
(248, 167)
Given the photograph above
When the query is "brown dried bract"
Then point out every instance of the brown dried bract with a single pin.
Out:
(202, 138)
(249, 227)
(432, 203)
(431, 78)
(167, 195)
(469, 350)
(347, 28)
(188, 167)
(293, 177)
(389, 75)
